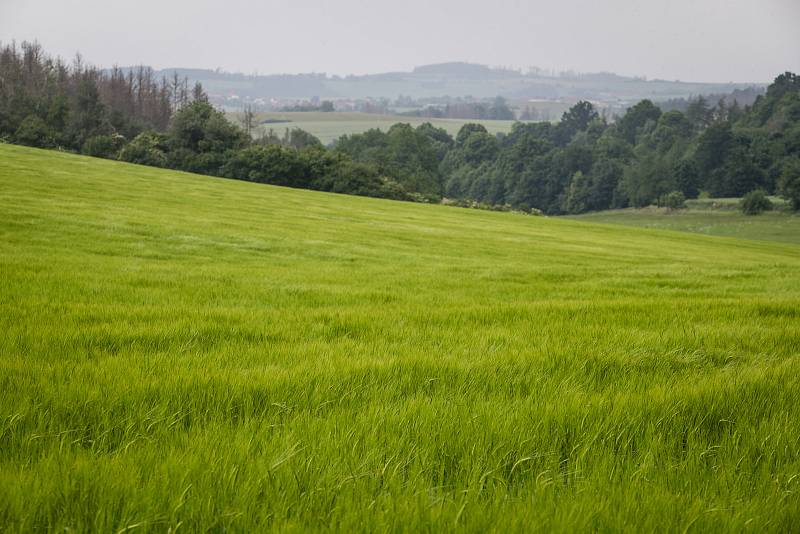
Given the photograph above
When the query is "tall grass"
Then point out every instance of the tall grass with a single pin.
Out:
(187, 353)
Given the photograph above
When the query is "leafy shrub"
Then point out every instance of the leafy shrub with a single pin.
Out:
(270, 164)
(312, 168)
(347, 176)
(755, 202)
(103, 146)
(33, 131)
(672, 201)
(465, 203)
(147, 148)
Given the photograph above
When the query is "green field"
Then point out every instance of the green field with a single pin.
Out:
(193, 353)
(719, 217)
(330, 126)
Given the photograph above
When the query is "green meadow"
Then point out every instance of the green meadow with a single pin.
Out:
(328, 127)
(720, 217)
(186, 353)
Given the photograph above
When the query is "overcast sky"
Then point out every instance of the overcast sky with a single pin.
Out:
(693, 40)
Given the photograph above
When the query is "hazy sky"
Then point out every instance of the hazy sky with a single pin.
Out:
(699, 40)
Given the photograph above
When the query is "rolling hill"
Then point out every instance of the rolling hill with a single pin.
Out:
(181, 351)
(452, 79)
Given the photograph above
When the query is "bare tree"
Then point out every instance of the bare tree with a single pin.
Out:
(248, 119)
(175, 87)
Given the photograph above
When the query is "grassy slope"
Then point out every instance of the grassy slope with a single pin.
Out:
(184, 350)
(699, 218)
(330, 126)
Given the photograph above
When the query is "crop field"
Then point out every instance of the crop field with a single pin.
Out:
(180, 352)
(330, 126)
(711, 217)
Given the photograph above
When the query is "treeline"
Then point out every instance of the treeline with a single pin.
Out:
(326, 106)
(586, 163)
(47, 103)
(739, 97)
(131, 116)
(582, 163)
(200, 139)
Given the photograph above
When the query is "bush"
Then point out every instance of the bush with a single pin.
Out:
(103, 146)
(672, 201)
(33, 131)
(147, 148)
(270, 164)
(755, 202)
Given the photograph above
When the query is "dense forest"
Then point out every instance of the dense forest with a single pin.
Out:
(582, 163)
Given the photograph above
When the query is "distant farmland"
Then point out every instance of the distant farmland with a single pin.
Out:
(329, 126)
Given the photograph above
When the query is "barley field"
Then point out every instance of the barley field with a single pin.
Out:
(186, 353)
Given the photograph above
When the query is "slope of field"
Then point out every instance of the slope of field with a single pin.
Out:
(330, 126)
(714, 217)
(187, 352)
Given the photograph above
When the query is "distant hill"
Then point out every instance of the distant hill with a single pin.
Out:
(455, 80)
(465, 71)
